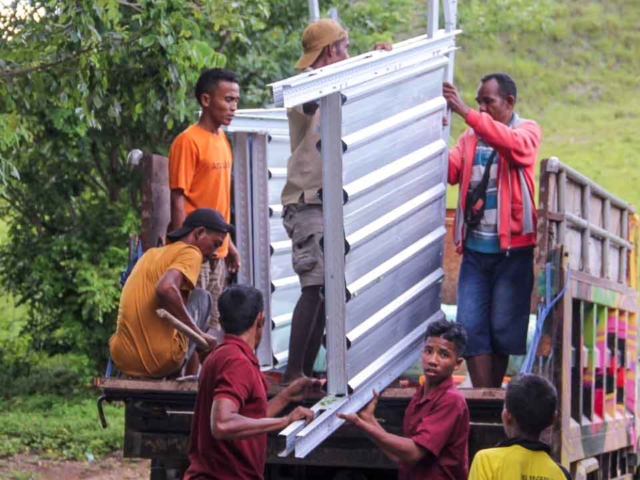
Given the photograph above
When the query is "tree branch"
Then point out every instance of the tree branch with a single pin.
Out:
(43, 66)
(225, 40)
(135, 6)
(33, 219)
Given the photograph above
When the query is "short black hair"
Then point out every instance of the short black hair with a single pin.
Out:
(210, 78)
(451, 331)
(239, 305)
(532, 401)
(506, 85)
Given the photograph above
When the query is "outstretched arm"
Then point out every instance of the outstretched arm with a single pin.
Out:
(398, 449)
(228, 424)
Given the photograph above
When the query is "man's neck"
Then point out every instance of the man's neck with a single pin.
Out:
(430, 387)
(249, 338)
(516, 433)
(208, 124)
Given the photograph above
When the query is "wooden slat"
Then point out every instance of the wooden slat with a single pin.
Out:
(144, 385)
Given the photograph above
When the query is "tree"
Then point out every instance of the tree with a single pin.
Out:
(82, 83)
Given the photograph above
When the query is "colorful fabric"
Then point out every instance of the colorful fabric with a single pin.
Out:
(200, 165)
(232, 372)
(438, 422)
(484, 237)
(144, 345)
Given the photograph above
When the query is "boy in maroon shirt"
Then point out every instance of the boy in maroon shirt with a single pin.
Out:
(232, 415)
(436, 422)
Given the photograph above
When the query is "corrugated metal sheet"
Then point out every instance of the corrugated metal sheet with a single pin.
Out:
(384, 152)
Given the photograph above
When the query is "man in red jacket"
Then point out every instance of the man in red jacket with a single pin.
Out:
(495, 227)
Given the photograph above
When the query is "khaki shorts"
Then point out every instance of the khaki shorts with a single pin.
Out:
(304, 226)
(213, 278)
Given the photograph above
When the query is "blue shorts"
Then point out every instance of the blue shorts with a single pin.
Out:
(494, 298)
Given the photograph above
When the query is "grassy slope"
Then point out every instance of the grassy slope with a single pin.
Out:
(580, 80)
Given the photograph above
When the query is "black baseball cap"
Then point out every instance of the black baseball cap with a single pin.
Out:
(202, 217)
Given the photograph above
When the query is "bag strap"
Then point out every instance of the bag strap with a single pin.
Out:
(482, 186)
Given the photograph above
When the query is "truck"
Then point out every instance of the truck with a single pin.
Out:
(391, 269)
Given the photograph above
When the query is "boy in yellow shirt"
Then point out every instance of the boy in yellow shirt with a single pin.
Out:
(529, 408)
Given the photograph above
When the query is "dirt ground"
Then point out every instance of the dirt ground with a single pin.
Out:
(111, 467)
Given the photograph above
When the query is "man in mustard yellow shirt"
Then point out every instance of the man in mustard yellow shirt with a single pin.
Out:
(145, 345)
(530, 407)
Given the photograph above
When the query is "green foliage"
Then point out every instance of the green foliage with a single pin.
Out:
(576, 64)
(35, 372)
(82, 83)
(58, 427)
(489, 19)
(272, 52)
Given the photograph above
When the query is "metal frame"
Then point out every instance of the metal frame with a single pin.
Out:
(594, 328)
(588, 228)
(335, 87)
(311, 86)
(303, 439)
(334, 248)
(252, 223)
(314, 11)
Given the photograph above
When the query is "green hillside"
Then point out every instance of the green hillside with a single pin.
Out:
(577, 66)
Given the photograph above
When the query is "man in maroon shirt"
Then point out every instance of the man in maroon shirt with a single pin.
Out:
(232, 414)
(436, 422)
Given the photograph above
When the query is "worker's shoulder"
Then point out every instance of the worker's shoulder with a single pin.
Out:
(453, 395)
(191, 136)
(180, 248)
(228, 355)
(510, 459)
(527, 123)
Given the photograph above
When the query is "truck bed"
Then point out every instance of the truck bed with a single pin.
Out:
(158, 416)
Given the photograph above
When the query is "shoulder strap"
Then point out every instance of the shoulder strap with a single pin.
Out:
(484, 182)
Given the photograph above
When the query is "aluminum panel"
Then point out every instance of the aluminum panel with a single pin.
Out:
(393, 278)
(372, 212)
(259, 173)
(242, 206)
(415, 294)
(361, 69)
(363, 108)
(394, 327)
(272, 121)
(391, 145)
(260, 233)
(374, 245)
(384, 160)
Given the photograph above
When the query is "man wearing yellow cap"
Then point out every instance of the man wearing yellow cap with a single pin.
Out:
(324, 42)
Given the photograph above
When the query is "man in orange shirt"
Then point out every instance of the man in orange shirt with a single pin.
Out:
(200, 163)
(145, 345)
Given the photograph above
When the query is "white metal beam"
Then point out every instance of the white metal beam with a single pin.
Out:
(319, 83)
(334, 283)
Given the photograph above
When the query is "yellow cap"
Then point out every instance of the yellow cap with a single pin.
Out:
(317, 36)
